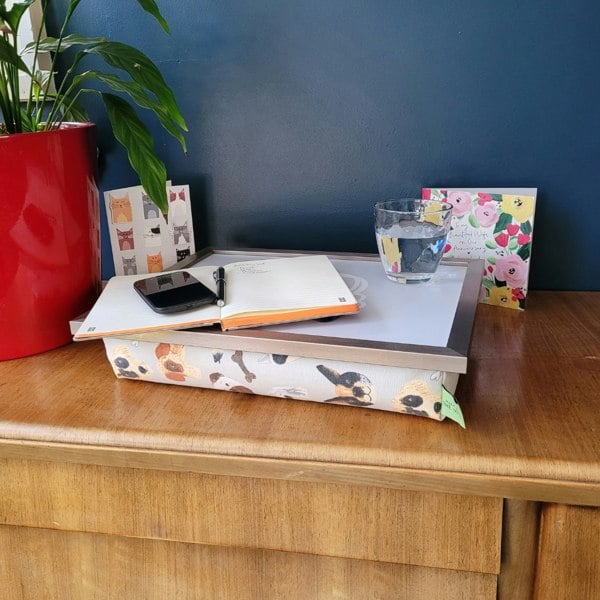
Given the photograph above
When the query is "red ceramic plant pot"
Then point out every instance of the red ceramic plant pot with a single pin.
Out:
(49, 236)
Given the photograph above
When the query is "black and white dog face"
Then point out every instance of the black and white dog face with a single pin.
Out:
(127, 366)
(350, 387)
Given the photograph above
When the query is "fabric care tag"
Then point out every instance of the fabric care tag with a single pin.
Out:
(451, 409)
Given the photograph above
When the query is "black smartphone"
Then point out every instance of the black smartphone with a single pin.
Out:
(174, 292)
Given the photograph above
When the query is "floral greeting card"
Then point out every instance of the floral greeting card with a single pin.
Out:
(495, 225)
(142, 240)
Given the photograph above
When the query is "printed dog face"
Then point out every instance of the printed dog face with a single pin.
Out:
(350, 387)
(127, 366)
(171, 362)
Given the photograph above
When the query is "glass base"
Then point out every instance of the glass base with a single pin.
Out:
(409, 278)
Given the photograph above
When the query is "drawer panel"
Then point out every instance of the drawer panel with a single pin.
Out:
(41, 563)
(569, 554)
(398, 526)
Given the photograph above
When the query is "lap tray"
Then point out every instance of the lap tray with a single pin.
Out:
(407, 342)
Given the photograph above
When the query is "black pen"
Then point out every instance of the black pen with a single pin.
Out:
(219, 276)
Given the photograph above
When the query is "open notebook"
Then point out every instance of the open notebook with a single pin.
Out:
(258, 292)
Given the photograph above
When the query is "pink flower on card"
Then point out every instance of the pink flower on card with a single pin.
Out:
(512, 269)
(502, 239)
(486, 214)
(483, 198)
(461, 203)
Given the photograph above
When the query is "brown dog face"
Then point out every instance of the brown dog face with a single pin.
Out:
(415, 398)
(171, 361)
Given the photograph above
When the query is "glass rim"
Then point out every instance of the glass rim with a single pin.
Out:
(421, 206)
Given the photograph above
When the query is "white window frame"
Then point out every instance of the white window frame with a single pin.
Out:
(29, 26)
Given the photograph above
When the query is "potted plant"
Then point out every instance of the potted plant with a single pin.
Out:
(49, 229)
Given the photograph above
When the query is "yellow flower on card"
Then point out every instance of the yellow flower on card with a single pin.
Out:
(391, 251)
(519, 207)
(432, 212)
(502, 296)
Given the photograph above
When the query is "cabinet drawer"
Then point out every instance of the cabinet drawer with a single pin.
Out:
(42, 563)
(359, 522)
(569, 553)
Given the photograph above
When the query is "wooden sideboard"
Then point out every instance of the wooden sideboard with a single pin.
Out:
(119, 489)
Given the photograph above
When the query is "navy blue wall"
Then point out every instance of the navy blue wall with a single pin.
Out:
(303, 114)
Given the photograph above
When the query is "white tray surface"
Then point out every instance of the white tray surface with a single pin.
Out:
(420, 314)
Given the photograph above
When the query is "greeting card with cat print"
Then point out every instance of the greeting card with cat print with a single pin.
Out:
(141, 240)
(496, 225)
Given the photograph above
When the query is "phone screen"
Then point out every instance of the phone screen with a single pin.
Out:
(174, 292)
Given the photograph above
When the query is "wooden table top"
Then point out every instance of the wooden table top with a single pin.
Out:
(530, 399)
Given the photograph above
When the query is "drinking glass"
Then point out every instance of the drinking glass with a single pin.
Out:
(411, 235)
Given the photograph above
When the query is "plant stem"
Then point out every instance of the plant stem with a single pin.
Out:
(63, 95)
(10, 91)
(35, 57)
(45, 92)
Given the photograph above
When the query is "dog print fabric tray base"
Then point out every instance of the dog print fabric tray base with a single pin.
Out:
(410, 391)
(406, 342)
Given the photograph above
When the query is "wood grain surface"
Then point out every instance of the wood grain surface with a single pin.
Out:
(569, 553)
(530, 400)
(115, 488)
(372, 523)
(88, 566)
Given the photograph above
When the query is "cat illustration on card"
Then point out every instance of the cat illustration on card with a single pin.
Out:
(183, 253)
(177, 207)
(152, 235)
(120, 208)
(181, 231)
(150, 209)
(155, 263)
(129, 265)
(126, 240)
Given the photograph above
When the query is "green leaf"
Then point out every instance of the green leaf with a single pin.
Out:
(136, 138)
(473, 220)
(13, 16)
(9, 55)
(72, 6)
(488, 283)
(143, 71)
(504, 220)
(526, 227)
(150, 7)
(491, 244)
(524, 251)
(513, 244)
(491, 260)
(148, 88)
(51, 44)
(139, 96)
